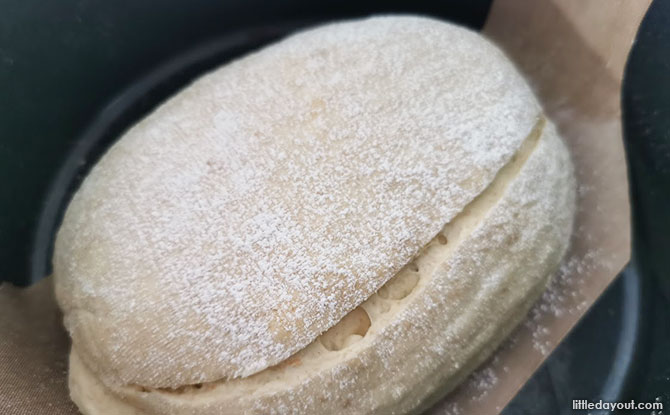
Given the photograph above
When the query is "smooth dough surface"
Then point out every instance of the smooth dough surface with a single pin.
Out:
(396, 164)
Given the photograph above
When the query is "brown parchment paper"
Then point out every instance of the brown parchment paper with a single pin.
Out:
(573, 52)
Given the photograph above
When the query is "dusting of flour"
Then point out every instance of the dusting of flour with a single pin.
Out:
(562, 297)
(252, 211)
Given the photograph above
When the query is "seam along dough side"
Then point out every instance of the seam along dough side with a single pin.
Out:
(425, 329)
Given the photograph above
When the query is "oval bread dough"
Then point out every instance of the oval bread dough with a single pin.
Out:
(395, 170)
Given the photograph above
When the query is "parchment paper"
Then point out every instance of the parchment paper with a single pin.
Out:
(573, 52)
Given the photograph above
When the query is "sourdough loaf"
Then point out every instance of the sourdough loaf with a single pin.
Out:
(350, 219)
